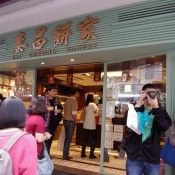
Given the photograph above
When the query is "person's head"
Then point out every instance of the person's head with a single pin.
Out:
(52, 90)
(100, 92)
(89, 99)
(73, 92)
(150, 90)
(148, 86)
(37, 106)
(12, 113)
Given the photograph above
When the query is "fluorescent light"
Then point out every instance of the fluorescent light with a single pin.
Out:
(113, 74)
(128, 95)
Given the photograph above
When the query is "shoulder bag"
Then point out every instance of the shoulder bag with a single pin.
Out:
(45, 165)
(168, 153)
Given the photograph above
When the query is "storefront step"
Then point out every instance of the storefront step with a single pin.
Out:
(64, 170)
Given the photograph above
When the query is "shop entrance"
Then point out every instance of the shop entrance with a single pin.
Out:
(122, 83)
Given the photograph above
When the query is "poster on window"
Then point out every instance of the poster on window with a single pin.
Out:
(118, 136)
(115, 91)
(109, 140)
(157, 73)
(110, 109)
(109, 127)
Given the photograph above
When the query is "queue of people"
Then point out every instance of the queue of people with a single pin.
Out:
(43, 115)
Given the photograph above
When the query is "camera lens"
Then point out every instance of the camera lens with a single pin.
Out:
(152, 94)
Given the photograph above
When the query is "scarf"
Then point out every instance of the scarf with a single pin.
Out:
(145, 123)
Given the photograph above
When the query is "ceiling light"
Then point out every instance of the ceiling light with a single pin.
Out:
(72, 60)
(42, 62)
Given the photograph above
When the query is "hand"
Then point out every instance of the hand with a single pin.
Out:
(153, 102)
(141, 98)
(51, 108)
(47, 135)
(58, 111)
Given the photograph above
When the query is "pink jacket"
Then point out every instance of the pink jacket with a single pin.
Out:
(23, 153)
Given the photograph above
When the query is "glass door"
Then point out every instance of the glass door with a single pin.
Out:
(123, 84)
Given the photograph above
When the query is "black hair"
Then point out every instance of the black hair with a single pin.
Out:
(146, 86)
(12, 113)
(73, 91)
(51, 86)
(90, 98)
(37, 106)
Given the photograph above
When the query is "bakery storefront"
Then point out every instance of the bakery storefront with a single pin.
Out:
(119, 49)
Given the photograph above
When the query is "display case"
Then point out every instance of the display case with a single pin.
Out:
(17, 83)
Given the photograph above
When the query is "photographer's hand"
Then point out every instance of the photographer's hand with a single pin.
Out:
(153, 102)
(141, 99)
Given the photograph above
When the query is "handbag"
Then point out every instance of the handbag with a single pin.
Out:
(168, 153)
(45, 165)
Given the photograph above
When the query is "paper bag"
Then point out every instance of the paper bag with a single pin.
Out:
(132, 119)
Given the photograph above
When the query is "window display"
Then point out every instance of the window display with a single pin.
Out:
(124, 83)
(17, 83)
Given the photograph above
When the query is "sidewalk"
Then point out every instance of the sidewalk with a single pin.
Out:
(85, 166)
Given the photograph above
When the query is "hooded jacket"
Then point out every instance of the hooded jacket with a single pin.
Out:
(149, 150)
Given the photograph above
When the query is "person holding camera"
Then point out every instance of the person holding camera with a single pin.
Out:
(143, 151)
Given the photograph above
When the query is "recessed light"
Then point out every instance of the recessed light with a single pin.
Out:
(72, 60)
(42, 62)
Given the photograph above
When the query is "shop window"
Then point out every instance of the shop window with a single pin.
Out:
(124, 83)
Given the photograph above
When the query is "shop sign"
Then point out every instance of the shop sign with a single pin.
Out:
(60, 36)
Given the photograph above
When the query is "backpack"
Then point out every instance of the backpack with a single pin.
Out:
(5, 159)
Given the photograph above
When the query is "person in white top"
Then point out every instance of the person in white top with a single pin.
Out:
(89, 126)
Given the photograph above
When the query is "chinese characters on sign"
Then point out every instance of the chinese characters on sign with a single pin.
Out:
(60, 36)
(40, 41)
(87, 29)
(19, 45)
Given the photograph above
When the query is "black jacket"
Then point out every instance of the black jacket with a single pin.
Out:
(149, 150)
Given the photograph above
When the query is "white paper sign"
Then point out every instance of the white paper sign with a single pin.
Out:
(118, 128)
(109, 127)
(110, 109)
(118, 136)
(109, 140)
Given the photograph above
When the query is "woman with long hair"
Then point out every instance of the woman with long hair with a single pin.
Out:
(89, 126)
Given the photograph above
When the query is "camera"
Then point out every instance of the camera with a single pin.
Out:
(152, 94)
